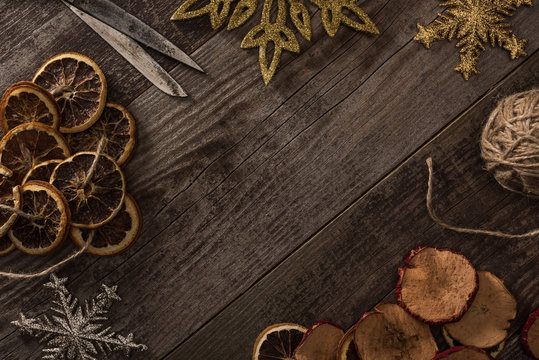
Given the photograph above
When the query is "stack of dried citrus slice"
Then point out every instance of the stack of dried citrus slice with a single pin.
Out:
(437, 287)
(60, 162)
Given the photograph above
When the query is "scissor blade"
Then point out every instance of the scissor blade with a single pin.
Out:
(113, 15)
(133, 53)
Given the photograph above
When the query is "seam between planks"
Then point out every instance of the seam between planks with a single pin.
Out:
(355, 36)
(361, 196)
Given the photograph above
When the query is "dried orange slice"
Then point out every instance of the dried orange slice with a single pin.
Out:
(116, 126)
(27, 145)
(10, 196)
(116, 235)
(42, 171)
(26, 102)
(95, 192)
(50, 223)
(78, 85)
(6, 246)
(278, 342)
(7, 217)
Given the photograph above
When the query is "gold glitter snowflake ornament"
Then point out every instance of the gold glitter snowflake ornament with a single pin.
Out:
(334, 13)
(473, 23)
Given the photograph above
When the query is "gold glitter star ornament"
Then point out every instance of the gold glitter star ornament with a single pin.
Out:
(334, 13)
(473, 23)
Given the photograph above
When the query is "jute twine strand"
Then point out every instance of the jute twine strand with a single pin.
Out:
(76, 254)
(52, 268)
(20, 212)
(467, 230)
(510, 143)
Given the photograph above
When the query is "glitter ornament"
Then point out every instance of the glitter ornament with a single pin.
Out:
(473, 23)
(510, 143)
(334, 13)
(76, 332)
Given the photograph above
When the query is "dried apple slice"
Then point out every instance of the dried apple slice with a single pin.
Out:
(41, 171)
(27, 145)
(463, 353)
(486, 322)
(116, 126)
(494, 352)
(530, 335)
(436, 285)
(346, 350)
(278, 342)
(26, 102)
(78, 85)
(390, 333)
(320, 342)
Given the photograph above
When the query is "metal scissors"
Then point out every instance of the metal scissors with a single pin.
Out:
(122, 31)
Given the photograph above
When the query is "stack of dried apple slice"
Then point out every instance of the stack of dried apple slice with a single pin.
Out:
(530, 335)
(60, 162)
(437, 287)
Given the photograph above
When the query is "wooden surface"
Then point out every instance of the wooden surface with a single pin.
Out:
(295, 201)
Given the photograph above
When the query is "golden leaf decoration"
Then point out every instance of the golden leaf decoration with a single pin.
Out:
(243, 12)
(474, 23)
(333, 16)
(217, 10)
(301, 18)
(277, 32)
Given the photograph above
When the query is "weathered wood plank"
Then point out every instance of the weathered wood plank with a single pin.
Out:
(351, 264)
(236, 177)
(34, 30)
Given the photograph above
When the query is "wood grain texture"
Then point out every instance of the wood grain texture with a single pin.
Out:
(35, 30)
(238, 176)
(351, 265)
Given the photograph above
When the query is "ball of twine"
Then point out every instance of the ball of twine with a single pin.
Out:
(510, 143)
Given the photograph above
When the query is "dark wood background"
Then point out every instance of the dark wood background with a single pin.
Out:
(291, 202)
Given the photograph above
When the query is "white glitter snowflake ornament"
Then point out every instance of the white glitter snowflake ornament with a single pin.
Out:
(76, 332)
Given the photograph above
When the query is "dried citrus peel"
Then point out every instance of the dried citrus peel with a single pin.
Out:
(278, 342)
(116, 235)
(78, 85)
(117, 126)
(26, 102)
(6, 246)
(320, 342)
(27, 145)
(94, 187)
(42, 171)
(46, 224)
